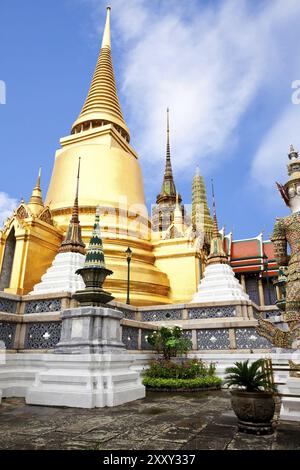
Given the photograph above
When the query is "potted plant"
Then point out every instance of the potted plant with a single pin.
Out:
(252, 398)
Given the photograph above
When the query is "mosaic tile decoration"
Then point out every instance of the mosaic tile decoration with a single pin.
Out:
(161, 315)
(130, 337)
(248, 338)
(144, 343)
(212, 312)
(7, 334)
(44, 335)
(8, 306)
(215, 338)
(41, 306)
(128, 314)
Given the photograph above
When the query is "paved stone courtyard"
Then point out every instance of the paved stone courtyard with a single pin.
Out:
(160, 422)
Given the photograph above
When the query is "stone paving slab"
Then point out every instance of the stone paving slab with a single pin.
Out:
(162, 421)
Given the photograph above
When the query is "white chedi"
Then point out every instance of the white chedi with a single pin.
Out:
(219, 284)
(61, 277)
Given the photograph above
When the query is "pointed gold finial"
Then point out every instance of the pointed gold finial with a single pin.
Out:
(102, 106)
(168, 120)
(38, 181)
(106, 34)
(35, 203)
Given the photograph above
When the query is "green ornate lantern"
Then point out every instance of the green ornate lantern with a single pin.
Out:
(94, 271)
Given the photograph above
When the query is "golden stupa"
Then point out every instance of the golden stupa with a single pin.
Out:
(162, 270)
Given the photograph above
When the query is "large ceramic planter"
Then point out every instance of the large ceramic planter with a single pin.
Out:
(254, 410)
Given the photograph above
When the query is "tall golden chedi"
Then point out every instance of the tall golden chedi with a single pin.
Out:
(167, 263)
(110, 178)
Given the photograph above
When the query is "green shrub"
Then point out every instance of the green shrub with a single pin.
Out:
(188, 369)
(169, 341)
(200, 382)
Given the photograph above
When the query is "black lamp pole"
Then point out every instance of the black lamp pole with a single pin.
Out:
(265, 258)
(129, 255)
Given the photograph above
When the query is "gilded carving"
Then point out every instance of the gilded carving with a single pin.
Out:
(22, 212)
(46, 216)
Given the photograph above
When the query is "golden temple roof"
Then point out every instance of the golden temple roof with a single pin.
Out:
(102, 104)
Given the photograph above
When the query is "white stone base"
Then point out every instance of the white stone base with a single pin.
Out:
(86, 381)
(290, 405)
(219, 284)
(61, 277)
(76, 380)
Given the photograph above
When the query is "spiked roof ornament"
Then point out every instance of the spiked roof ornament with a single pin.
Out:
(294, 175)
(73, 239)
(217, 254)
(168, 189)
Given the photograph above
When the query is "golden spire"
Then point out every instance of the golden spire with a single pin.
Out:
(106, 34)
(201, 218)
(73, 240)
(35, 203)
(102, 104)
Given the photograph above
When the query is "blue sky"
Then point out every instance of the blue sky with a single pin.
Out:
(225, 69)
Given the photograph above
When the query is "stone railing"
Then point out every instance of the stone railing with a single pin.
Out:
(34, 323)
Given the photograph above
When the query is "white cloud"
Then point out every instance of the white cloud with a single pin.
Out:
(7, 205)
(270, 161)
(206, 61)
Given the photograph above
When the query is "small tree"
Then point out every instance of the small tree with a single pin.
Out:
(169, 341)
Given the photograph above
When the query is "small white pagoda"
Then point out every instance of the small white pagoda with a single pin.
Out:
(61, 277)
(219, 282)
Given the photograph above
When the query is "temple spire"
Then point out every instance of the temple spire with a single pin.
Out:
(35, 203)
(102, 104)
(106, 33)
(216, 233)
(168, 189)
(201, 218)
(73, 240)
(217, 254)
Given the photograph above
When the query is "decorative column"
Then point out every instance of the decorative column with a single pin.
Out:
(243, 282)
(261, 293)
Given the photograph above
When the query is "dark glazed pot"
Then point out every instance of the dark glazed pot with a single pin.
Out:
(254, 410)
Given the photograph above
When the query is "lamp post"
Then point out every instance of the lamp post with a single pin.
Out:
(265, 266)
(129, 255)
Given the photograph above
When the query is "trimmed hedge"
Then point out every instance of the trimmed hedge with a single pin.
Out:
(187, 369)
(186, 384)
